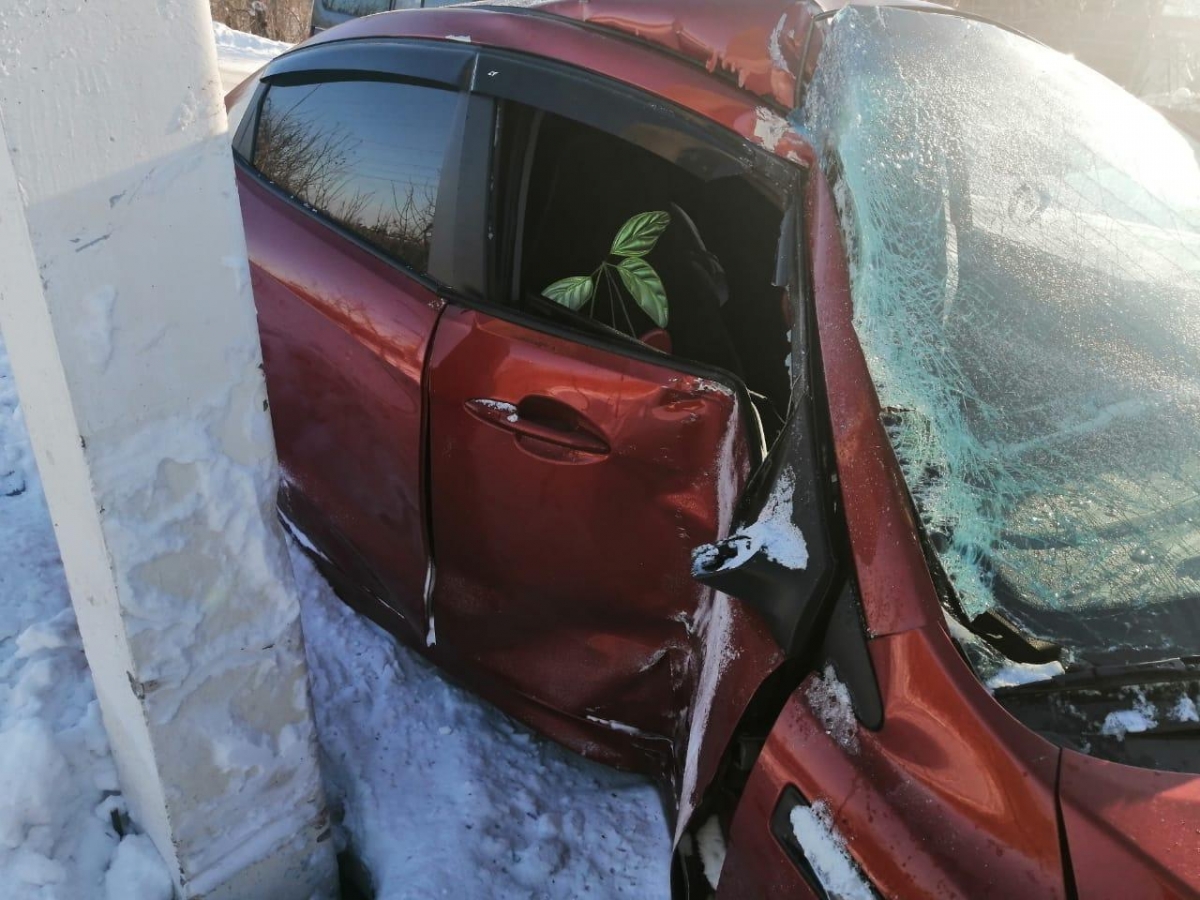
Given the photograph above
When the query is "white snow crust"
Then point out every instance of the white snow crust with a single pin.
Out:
(826, 852)
(1023, 673)
(773, 533)
(1142, 717)
(711, 843)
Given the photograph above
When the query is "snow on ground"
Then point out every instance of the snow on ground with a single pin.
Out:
(240, 55)
(58, 785)
(445, 796)
(440, 794)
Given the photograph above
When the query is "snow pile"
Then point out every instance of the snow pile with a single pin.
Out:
(773, 533)
(137, 871)
(58, 785)
(239, 45)
(240, 55)
(830, 702)
(441, 795)
(826, 852)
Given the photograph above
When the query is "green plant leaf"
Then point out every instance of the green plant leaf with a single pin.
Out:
(638, 236)
(571, 292)
(646, 287)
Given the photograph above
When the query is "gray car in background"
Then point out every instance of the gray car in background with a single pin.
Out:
(327, 13)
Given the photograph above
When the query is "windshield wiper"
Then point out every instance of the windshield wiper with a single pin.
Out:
(1163, 671)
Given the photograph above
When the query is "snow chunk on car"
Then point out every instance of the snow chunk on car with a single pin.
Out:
(773, 533)
(830, 702)
(826, 852)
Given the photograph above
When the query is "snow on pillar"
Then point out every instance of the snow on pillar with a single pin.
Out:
(126, 307)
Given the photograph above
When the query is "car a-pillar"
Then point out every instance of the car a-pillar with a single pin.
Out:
(126, 308)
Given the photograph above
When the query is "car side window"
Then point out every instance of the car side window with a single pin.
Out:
(366, 154)
(673, 247)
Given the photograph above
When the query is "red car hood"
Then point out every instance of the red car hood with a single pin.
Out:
(1130, 832)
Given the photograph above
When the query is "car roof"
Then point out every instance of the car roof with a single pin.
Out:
(758, 44)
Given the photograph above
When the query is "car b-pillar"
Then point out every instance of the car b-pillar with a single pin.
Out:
(126, 308)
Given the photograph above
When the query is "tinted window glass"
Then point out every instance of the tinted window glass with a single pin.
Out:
(368, 154)
(356, 7)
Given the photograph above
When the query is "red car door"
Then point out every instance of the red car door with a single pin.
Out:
(345, 182)
(569, 485)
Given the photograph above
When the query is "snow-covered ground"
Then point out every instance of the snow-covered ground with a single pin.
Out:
(240, 55)
(437, 792)
(445, 796)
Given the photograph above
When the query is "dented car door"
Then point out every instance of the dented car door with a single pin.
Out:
(569, 487)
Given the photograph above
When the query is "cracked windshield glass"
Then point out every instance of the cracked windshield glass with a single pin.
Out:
(1025, 247)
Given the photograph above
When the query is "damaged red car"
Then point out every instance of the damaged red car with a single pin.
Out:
(795, 400)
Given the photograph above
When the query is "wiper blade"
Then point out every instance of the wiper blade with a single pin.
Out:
(1163, 671)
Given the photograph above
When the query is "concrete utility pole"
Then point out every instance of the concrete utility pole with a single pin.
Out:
(126, 307)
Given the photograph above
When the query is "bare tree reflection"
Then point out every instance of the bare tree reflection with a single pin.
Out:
(321, 163)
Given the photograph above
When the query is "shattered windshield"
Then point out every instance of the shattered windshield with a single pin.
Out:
(1025, 260)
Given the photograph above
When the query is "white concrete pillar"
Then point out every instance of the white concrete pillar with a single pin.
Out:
(126, 308)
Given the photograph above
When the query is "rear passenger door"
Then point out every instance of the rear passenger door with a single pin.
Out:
(343, 196)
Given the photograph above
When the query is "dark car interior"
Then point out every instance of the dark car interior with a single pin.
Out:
(716, 259)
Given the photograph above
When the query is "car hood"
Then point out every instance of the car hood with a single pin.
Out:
(1136, 828)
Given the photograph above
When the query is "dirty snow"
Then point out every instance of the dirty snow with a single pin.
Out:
(829, 699)
(826, 852)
